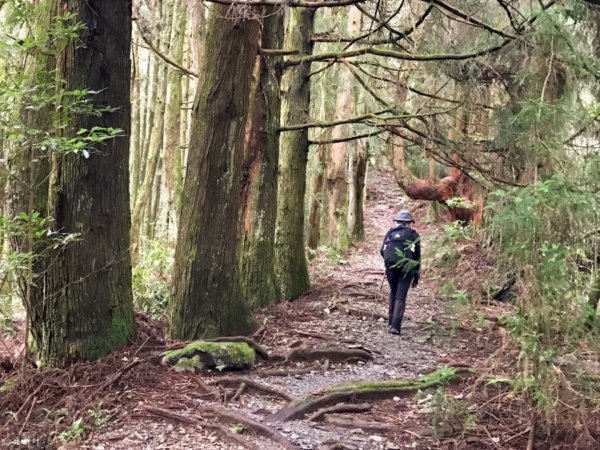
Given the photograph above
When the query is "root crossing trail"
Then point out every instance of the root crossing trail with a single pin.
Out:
(336, 333)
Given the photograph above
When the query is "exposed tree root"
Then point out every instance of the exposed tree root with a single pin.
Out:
(229, 436)
(366, 391)
(363, 313)
(341, 408)
(239, 392)
(336, 445)
(251, 384)
(364, 424)
(236, 417)
(332, 354)
(288, 372)
(320, 337)
(205, 387)
(259, 349)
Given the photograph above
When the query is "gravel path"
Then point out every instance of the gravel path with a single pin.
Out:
(318, 320)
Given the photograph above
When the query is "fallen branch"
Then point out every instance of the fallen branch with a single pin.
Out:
(332, 354)
(364, 424)
(251, 384)
(117, 376)
(231, 437)
(288, 372)
(341, 408)
(367, 391)
(265, 430)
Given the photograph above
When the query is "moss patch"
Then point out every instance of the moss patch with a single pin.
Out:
(209, 355)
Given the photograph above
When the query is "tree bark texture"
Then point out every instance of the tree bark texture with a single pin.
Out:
(207, 298)
(357, 173)
(290, 258)
(257, 254)
(85, 309)
(337, 175)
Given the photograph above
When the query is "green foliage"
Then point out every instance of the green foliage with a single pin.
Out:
(450, 415)
(151, 278)
(542, 233)
(74, 432)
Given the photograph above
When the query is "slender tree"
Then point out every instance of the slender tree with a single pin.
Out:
(259, 284)
(290, 258)
(207, 296)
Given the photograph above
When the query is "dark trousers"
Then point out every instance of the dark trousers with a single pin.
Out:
(399, 285)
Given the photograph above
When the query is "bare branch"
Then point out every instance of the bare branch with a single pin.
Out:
(293, 3)
(394, 54)
(457, 12)
(162, 56)
(347, 138)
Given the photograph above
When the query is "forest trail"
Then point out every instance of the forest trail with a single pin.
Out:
(121, 401)
(334, 315)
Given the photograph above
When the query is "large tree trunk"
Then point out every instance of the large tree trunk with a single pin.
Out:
(259, 285)
(290, 258)
(207, 297)
(82, 306)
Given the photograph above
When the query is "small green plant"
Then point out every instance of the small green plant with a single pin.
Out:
(460, 202)
(458, 231)
(99, 416)
(74, 432)
(237, 428)
(151, 278)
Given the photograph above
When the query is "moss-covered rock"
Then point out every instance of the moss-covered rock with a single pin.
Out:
(200, 355)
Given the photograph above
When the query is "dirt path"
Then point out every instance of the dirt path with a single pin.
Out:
(342, 311)
(321, 320)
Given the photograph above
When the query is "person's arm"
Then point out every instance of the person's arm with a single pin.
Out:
(417, 255)
(383, 243)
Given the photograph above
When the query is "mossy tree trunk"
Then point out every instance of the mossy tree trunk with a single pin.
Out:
(207, 297)
(83, 308)
(257, 256)
(357, 173)
(290, 258)
(339, 236)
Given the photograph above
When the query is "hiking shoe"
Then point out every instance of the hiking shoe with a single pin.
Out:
(394, 331)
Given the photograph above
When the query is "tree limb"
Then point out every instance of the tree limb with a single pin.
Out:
(293, 3)
(457, 12)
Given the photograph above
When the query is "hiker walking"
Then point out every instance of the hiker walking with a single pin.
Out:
(401, 251)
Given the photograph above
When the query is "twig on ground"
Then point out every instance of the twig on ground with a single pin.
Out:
(112, 380)
(239, 392)
(29, 397)
(288, 372)
(251, 384)
(341, 408)
(27, 417)
(356, 423)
